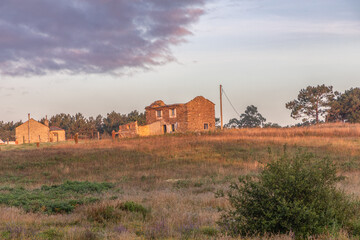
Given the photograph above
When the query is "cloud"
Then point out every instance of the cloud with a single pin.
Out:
(278, 26)
(7, 89)
(99, 36)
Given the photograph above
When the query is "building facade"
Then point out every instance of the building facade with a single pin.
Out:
(32, 132)
(57, 134)
(195, 115)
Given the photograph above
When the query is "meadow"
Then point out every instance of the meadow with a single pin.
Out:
(160, 187)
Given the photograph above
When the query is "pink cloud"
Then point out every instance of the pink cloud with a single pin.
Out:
(99, 36)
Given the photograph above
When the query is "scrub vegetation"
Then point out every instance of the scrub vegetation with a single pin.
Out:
(164, 187)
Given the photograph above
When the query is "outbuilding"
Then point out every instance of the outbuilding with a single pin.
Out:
(33, 131)
(57, 134)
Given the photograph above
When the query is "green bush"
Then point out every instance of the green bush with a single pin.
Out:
(131, 206)
(292, 194)
(79, 187)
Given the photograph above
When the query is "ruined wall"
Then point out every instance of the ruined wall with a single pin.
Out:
(38, 132)
(179, 120)
(192, 116)
(128, 130)
(200, 111)
(57, 136)
(180, 114)
(150, 129)
(144, 131)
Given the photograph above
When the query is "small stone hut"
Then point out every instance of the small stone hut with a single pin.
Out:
(33, 131)
(57, 134)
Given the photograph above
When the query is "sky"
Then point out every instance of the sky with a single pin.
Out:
(97, 56)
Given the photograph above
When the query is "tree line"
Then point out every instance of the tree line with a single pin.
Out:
(78, 123)
(314, 104)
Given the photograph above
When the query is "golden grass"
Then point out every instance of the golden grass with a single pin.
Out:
(175, 176)
(337, 135)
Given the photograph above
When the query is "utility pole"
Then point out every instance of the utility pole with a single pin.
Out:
(221, 113)
(28, 127)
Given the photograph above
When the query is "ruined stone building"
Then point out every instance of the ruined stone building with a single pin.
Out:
(195, 115)
(32, 131)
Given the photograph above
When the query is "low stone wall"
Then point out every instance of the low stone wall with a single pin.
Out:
(150, 129)
(128, 130)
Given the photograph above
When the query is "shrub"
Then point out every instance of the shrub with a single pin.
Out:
(103, 213)
(292, 194)
(131, 206)
(79, 187)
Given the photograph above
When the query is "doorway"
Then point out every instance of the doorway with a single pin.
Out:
(164, 129)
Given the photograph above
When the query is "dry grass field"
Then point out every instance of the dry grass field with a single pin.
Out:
(150, 188)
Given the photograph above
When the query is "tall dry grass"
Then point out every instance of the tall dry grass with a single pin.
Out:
(174, 175)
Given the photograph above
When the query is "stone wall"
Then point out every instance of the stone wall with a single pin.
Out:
(57, 136)
(150, 129)
(191, 116)
(179, 120)
(200, 111)
(128, 130)
(38, 132)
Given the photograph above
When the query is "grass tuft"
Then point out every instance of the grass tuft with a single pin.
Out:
(61, 198)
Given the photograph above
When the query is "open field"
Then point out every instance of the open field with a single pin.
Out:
(150, 188)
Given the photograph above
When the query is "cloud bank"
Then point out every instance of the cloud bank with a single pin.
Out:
(99, 36)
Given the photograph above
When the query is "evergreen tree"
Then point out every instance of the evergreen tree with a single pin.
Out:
(250, 119)
(312, 103)
(346, 107)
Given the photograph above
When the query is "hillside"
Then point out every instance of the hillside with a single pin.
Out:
(154, 187)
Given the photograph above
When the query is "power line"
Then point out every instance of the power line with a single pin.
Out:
(230, 103)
